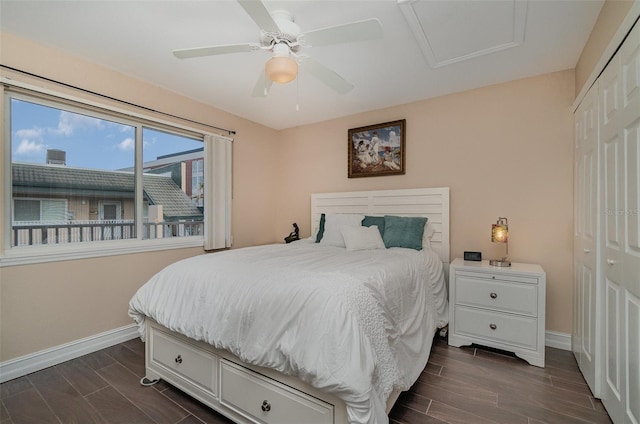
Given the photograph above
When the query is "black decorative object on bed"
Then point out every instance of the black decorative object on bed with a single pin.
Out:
(294, 235)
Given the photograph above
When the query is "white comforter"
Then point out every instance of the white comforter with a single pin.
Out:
(355, 324)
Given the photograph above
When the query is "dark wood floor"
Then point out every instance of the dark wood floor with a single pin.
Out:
(465, 385)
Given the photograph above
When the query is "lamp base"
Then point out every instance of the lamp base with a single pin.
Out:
(500, 262)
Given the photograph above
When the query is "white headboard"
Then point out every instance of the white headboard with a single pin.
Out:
(432, 203)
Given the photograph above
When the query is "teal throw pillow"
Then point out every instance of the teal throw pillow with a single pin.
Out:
(320, 229)
(403, 231)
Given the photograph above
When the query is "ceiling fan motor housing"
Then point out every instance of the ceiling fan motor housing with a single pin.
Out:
(288, 32)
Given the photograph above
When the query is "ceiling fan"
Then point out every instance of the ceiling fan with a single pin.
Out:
(281, 36)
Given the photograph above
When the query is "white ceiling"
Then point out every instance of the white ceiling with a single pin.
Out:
(473, 44)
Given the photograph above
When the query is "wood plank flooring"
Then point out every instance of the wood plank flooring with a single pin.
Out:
(458, 385)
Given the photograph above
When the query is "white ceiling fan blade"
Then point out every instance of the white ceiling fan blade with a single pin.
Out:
(262, 87)
(260, 15)
(214, 50)
(369, 29)
(327, 76)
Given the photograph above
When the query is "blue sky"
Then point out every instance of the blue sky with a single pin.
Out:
(387, 135)
(89, 142)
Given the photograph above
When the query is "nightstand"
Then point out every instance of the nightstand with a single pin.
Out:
(503, 308)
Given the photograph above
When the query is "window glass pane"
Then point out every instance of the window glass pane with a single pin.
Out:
(26, 210)
(173, 184)
(53, 210)
(70, 164)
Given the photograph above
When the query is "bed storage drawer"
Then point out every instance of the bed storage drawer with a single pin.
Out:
(185, 360)
(265, 401)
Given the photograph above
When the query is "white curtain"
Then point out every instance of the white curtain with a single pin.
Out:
(217, 197)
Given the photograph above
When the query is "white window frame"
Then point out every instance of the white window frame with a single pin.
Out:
(23, 255)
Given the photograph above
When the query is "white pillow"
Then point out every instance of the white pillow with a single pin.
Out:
(362, 238)
(333, 222)
(429, 231)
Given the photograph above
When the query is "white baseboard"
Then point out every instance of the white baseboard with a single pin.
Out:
(558, 340)
(37, 361)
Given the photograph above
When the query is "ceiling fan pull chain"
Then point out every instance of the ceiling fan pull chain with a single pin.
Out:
(298, 94)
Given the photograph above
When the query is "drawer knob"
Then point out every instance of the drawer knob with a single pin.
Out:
(178, 359)
(493, 295)
(493, 277)
(493, 326)
(266, 406)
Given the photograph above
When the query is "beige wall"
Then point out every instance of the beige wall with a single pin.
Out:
(611, 16)
(47, 305)
(50, 304)
(504, 150)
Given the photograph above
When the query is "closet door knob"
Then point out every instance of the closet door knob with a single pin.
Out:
(586, 250)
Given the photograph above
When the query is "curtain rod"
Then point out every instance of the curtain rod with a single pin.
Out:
(230, 132)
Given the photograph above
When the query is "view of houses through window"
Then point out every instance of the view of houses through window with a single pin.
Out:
(74, 178)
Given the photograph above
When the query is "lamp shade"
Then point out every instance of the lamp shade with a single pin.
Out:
(281, 69)
(499, 233)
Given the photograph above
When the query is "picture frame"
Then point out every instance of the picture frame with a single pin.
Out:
(377, 150)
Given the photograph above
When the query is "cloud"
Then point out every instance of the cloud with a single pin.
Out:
(30, 141)
(27, 147)
(127, 144)
(69, 122)
(30, 133)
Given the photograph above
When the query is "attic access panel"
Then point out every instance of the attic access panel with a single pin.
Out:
(452, 31)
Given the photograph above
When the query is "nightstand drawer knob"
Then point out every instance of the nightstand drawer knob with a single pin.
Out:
(493, 277)
(493, 295)
(493, 326)
(266, 406)
(178, 359)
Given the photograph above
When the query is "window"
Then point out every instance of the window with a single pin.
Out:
(197, 182)
(25, 210)
(110, 211)
(39, 210)
(75, 179)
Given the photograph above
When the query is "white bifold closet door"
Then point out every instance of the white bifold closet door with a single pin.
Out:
(586, 328)
(619, 123)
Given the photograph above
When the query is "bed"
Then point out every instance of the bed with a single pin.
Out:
(306, 332)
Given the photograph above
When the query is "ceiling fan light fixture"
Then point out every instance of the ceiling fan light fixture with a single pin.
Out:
(281, 69)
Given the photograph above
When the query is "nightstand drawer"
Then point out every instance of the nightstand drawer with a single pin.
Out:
(498, 276)
(497, 295)
(503, 328)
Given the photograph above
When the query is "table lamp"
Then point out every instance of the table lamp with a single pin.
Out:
(500, 234)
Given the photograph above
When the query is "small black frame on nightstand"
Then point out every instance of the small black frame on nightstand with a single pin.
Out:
(473, 256)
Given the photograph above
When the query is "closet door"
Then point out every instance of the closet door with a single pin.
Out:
(586, 327)
(620, 264)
